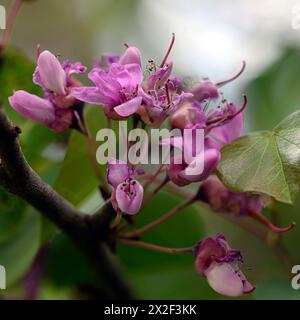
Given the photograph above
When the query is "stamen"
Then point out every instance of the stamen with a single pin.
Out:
(259, 217)
(222, 83)
(169, 50)
(241, 109)
(168, 94)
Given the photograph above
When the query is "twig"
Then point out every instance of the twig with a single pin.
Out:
(155, 247)
(87, 232)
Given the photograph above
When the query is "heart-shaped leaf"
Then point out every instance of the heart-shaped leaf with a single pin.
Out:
(265, 161)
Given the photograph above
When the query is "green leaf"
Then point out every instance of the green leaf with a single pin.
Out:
(275, 92)
(265, 161)
(66, 266)
(17, 252)
(77, 179)
(276, 288)
(158, 275)
(11, 214)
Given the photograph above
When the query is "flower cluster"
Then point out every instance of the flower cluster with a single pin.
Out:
(124, 89)
(57, 110)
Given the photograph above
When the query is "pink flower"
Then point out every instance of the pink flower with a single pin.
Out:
(128, 193)
(33, 107)
(224, 125)
(219, 264)
(55, 110)
(161, 96)
(116, 88)
(205, 90)
(185, 168)
(189, 114)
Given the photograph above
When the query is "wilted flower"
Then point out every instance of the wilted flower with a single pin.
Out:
(56, 109)
(221, 199)
(128, 193)
(219, 264)
(189, 114)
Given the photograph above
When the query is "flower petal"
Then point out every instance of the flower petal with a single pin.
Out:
(224, 279)
(159, 77)
(89, 95)
(128, 108)
(33, 107)
(205, 90)
(226, 133)
(117, 172)
(128, 203)
(52, 75)
(131, 55)
(109, 88)
(201, 166)
(136, 74)
(174, 171)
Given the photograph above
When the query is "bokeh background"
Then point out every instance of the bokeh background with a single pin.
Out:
(212, 38)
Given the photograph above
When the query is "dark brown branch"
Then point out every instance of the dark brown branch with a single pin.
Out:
(19, 178)
(89, 233)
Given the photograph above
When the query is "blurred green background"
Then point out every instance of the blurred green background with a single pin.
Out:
(212, 38)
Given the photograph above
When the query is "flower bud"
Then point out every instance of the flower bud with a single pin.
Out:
(205, 90)
(131, 55)
(52, 75)
(188, 114)
(33, 107)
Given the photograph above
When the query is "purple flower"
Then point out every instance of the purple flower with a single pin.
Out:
(33, 107)
(224, 125)
(131, 55)
(189, 114)
(219, 264)
(128, 193)
(55, 109)
(183, 168)
(208, 90)
(205, 90)
(116, 88)
(161, 96)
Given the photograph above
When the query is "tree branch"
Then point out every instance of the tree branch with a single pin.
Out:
(89, 233)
